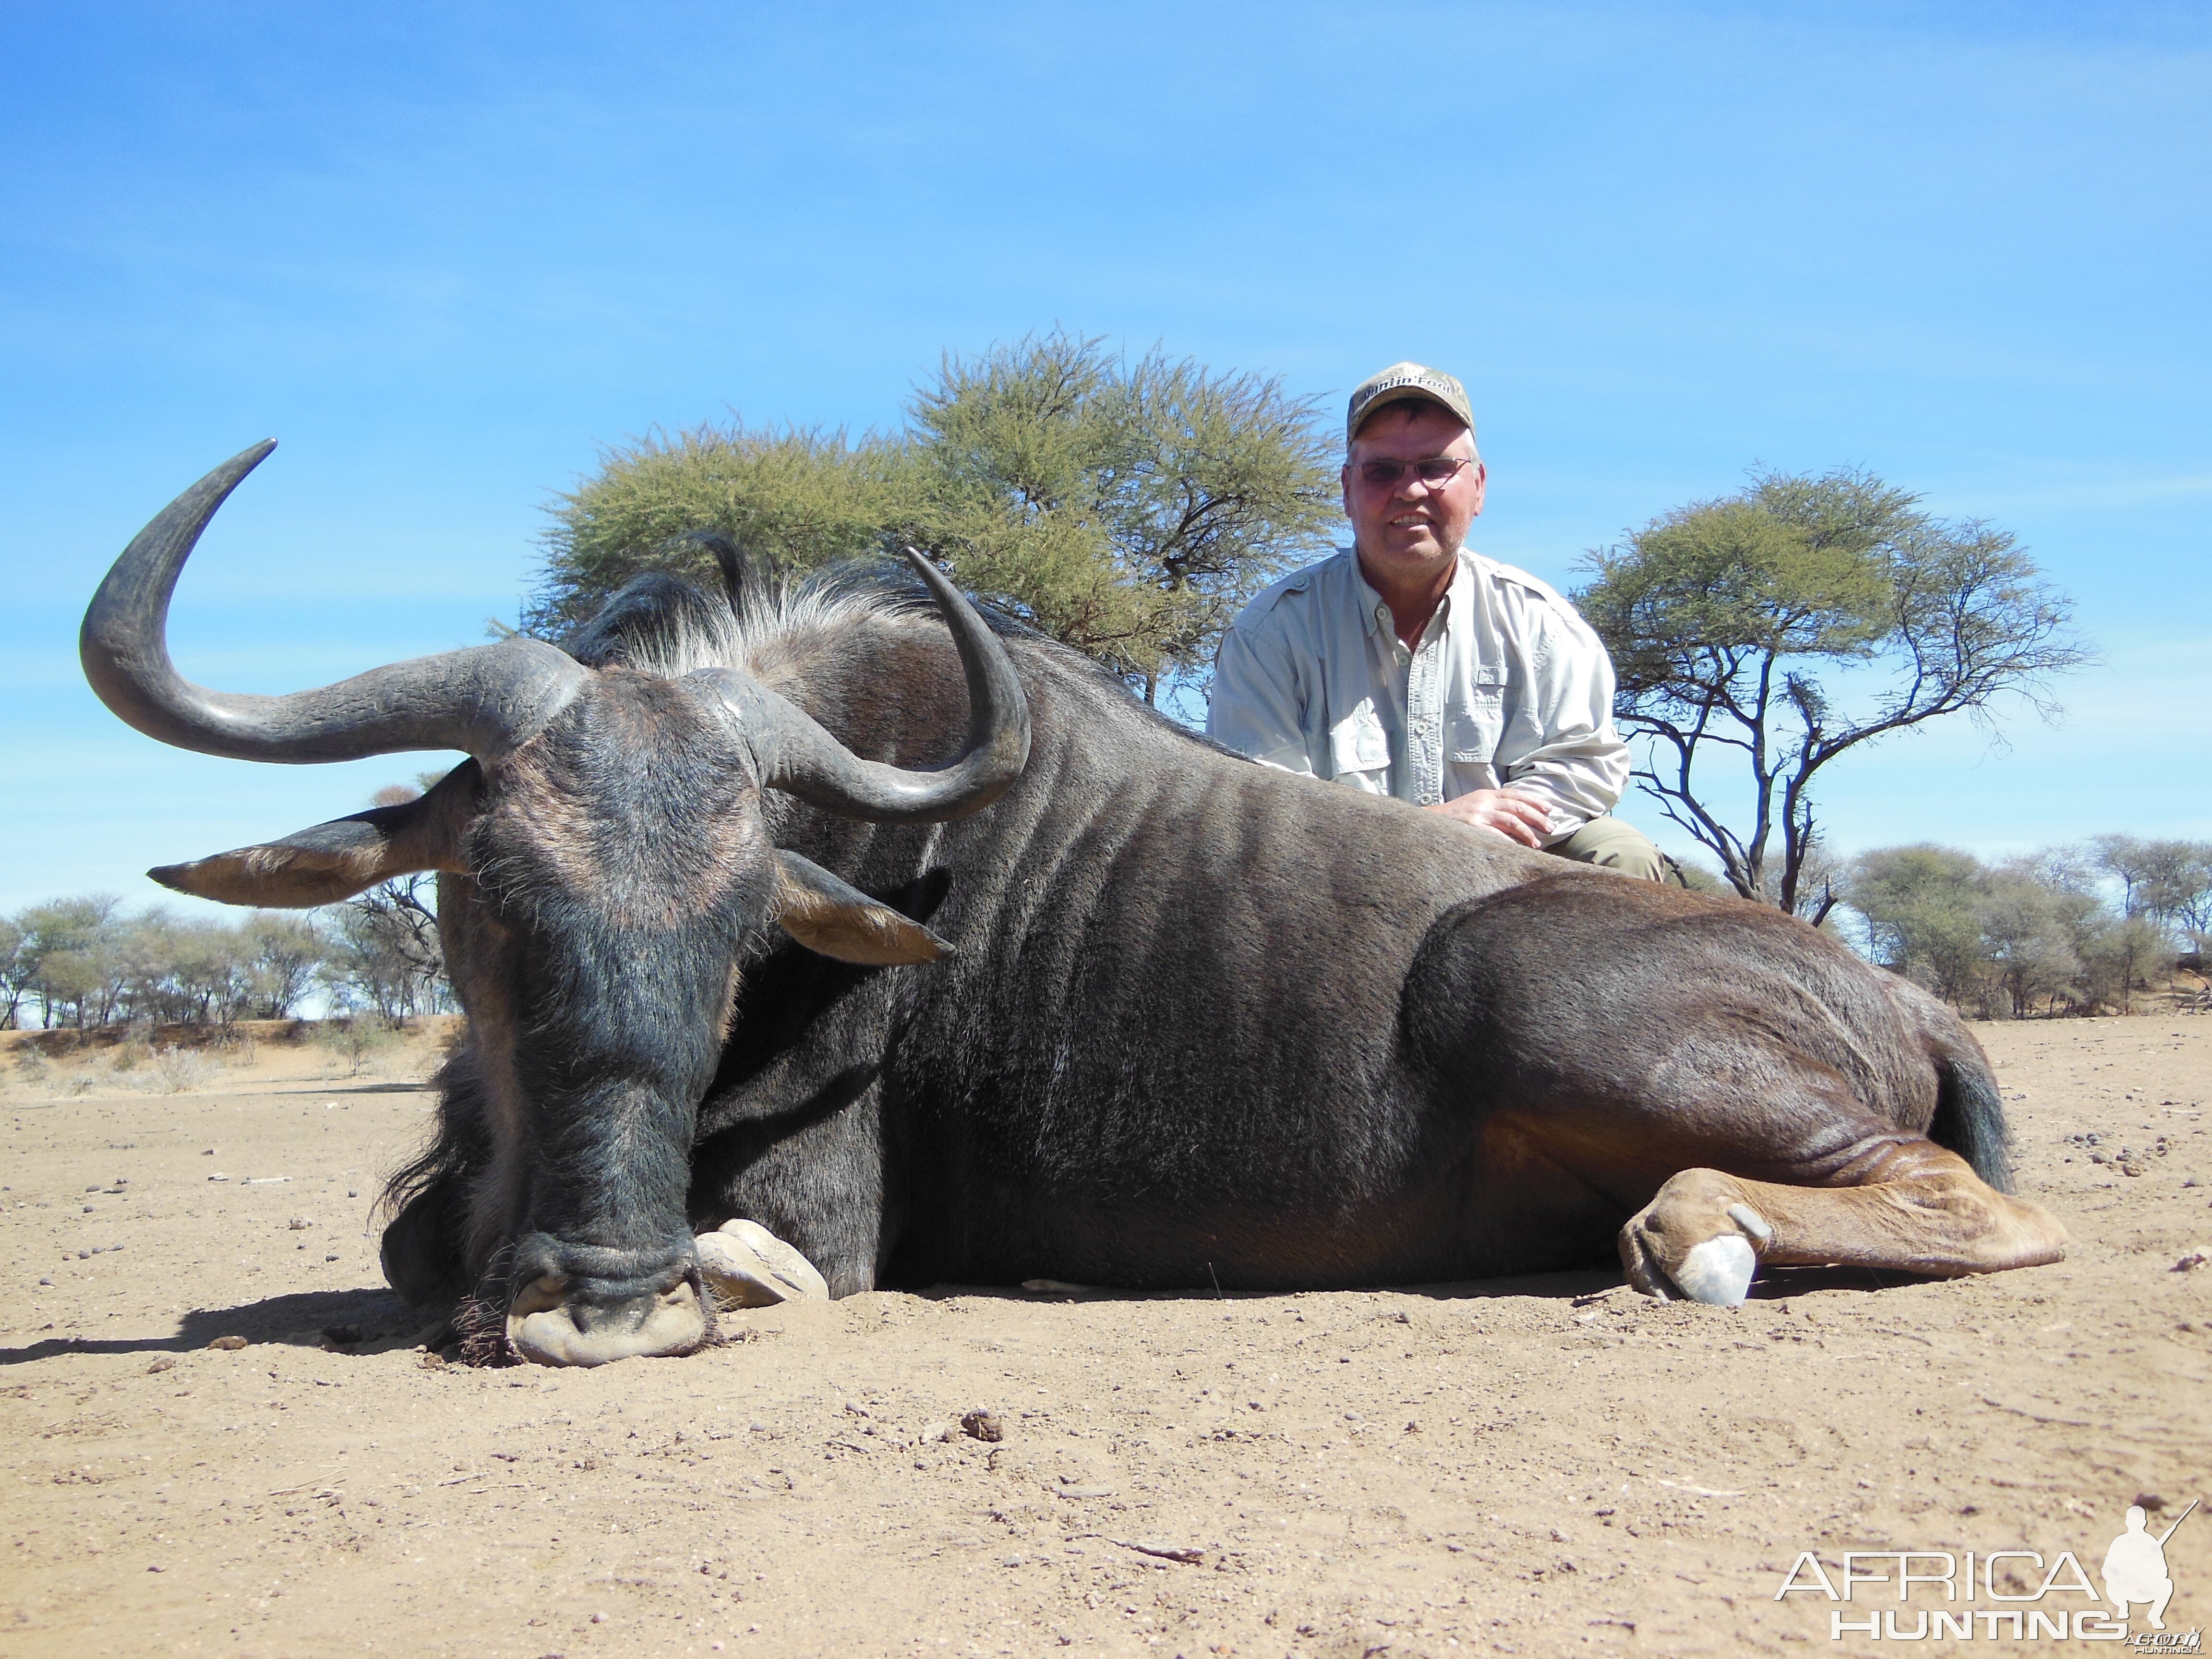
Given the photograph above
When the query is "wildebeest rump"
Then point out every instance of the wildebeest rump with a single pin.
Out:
(1199, 1021)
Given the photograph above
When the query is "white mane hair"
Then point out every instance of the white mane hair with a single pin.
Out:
(771, 629)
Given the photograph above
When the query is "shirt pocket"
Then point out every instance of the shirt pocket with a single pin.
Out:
(1474, 725)
(1357, 743)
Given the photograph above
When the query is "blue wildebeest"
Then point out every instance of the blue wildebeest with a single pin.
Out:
(738, 941)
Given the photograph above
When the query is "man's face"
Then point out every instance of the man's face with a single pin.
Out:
(1410, 530)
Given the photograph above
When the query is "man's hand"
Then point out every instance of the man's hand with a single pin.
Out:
(1517, 814)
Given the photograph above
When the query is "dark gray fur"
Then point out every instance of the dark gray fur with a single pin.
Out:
(1205, 1019)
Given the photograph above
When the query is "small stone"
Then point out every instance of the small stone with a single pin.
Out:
(45, 1281)
(433, 1361)
(2190, 1261)
(1012, 1561)
(983, 1425)
(166, 1361)
(299, 1223)
(228, 1344)
(758, 1427)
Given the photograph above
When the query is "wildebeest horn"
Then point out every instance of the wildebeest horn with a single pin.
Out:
(797, 756)
(485, 699)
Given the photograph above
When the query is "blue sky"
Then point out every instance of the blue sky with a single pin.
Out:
(444, 252)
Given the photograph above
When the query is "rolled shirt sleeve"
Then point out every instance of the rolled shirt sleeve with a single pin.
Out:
(1559, 738)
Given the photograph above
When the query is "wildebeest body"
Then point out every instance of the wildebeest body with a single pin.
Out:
(1210, 1022)
(1202, 1023)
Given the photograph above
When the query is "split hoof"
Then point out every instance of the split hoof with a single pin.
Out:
(746, 1265)
(1717, 1272)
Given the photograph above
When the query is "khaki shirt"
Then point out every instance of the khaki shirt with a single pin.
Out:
(1508, 685)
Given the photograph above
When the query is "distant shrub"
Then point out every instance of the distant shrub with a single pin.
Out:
(355, 1038)
(179, 1070)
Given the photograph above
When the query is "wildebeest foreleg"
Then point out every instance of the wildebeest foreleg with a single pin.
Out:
(1910, 1207)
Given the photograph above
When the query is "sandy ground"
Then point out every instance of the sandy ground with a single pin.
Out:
(1545, 1466)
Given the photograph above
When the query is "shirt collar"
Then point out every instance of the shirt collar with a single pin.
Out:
(1375, 613)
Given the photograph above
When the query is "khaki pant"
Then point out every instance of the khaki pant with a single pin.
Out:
(1612, 845)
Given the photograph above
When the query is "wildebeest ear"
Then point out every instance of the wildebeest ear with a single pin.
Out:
(334, 860)
(826, 915)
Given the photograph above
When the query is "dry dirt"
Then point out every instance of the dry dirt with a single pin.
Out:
(1547, 1466)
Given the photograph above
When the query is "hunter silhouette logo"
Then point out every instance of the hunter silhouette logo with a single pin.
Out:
(2135, 1566)
(2002, 1595)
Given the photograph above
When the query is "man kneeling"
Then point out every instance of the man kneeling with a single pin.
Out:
(1408, 666)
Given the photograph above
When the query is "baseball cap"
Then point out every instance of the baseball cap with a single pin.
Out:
(1399, 382)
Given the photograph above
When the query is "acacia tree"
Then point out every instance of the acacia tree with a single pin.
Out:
(387, 951)
(1127, 508)
(1731, 624)
(1124, 507)
(15, 976)
(2168, 882)
(71, 956)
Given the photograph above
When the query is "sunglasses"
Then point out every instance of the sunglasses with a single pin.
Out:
(1436, 470)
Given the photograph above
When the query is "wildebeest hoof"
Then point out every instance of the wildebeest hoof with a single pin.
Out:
(749, 1266)
(1697, 1239)
(1717, 1272)
(547, 1327)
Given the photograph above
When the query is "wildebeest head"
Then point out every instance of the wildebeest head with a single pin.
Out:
(606, 864)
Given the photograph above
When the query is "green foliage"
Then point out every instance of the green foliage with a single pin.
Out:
(1730, 622)
(799, 497)
(2012, 937)
(1919, 906)
(2167, 883)
(70, 958)
(1125, 508)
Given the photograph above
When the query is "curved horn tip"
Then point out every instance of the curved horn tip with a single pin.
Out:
(242, 462)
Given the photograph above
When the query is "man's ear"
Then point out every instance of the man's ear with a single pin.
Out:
(826, 915)
(334, 860)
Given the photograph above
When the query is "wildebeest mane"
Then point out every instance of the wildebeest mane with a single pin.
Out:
(662, 624)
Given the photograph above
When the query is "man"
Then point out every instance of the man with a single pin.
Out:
(1407, 665)
(2135, 1568)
